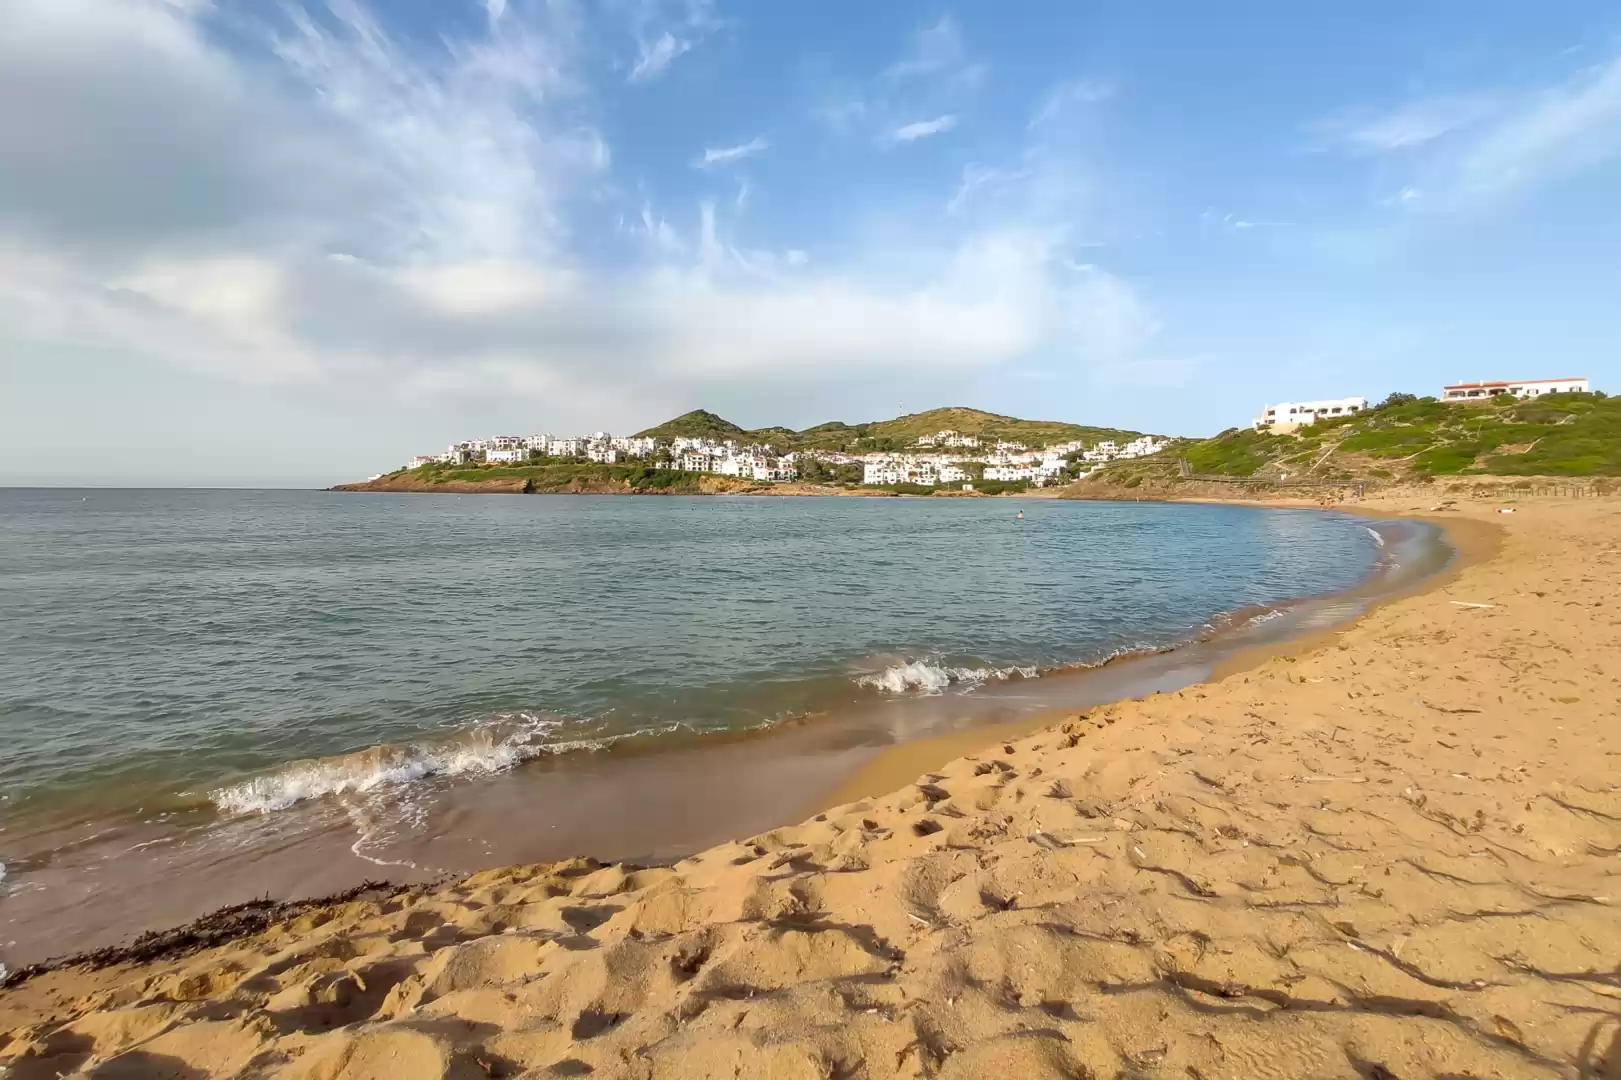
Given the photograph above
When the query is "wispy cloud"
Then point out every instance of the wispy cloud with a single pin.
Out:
(665, 30)
(935, 50)
(1069, 94)
(977, 179)
(922, 129)
(451, 251)
(1408, 127)
(1479, 148)
(729, 155)
(1566, 127)
(654, 56)
(933, 77)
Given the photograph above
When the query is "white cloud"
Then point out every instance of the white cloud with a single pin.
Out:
(1069, 94)
(445, 255)
(479, 168)
(922, 129)
(1473, 151)
(653, 57)
(1406, 128)
(1567, 127)
(978, 179)
(934, 76)
(729, 155)
(935, 50)
(665, 30)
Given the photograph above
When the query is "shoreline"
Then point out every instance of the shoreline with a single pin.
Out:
(1390, 856)
(853, 769)
(707, 485)
(1472, 543)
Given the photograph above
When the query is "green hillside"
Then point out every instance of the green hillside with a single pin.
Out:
(1556, 435)
(898, 434)
(697, 424)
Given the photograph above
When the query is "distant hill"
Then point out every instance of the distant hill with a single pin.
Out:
(1410, 439)
(898, 434)
(697, 424)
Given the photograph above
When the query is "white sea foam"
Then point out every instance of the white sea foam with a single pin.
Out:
(920, 676)
(478, 752)
(1377, 539)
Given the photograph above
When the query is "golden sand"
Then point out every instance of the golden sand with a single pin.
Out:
(1394, 854)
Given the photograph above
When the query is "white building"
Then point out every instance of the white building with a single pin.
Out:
(602, 453)
(633, 447)
(1524, 388)
(538, 443)
(565, 447)
(421, 460)
(952, 474)
(507, 455)
(1144, 445)
(1288, 415)
(695, 461)
(1010, 473)
(777, 469)
(900, 471)
(881, 472)
(948, 438)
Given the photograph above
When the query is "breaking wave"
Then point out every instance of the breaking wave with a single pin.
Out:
(1377, 539)
(478, 751)
(919, 676)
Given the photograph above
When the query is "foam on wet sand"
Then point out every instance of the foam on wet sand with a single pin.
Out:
(1395, 855)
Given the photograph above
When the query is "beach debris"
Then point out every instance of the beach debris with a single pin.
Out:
(1468, 604)
(1505, 509)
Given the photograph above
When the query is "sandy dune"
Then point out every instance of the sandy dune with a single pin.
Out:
(1397, 856)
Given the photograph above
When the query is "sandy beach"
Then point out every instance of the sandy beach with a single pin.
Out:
(1394, 851)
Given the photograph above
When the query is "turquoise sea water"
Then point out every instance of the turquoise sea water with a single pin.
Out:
(163, 649)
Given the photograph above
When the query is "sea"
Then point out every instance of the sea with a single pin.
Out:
(208, 695)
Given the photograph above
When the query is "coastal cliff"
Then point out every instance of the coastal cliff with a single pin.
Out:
(606, 480)
(566, 480)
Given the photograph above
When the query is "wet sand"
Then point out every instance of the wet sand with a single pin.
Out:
(1390, 852)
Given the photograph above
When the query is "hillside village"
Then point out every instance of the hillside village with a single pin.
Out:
(1549, 427)
(943, 458)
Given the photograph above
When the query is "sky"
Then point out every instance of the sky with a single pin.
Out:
(296, 242)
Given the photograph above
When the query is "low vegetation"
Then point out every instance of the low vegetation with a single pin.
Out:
(1413, 438)
(899, 434)
(568, 476)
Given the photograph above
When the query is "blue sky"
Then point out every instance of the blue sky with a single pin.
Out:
(294, 243)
